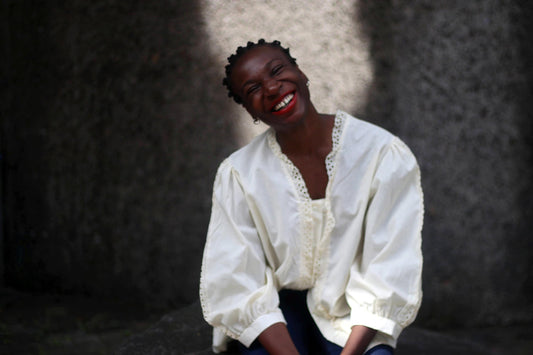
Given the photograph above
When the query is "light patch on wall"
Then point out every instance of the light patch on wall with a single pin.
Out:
(322, 36)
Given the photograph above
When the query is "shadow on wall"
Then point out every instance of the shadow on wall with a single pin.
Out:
(455, 82)
(374, 20)
(112, 138)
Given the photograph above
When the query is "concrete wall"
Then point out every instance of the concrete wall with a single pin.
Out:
(114, 121)
(457, 83)
(113, 136)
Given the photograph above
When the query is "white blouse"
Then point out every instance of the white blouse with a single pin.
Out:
(357, 251)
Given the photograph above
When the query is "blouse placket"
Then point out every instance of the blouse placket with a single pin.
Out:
(313, 252)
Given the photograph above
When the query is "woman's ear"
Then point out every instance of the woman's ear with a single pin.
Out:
(302, 74)
(247, 110)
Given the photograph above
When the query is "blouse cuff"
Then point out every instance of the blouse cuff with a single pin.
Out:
(370, 320)
(248, 336)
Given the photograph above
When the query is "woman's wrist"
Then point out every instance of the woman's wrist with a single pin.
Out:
(277, 340)
(358, 340)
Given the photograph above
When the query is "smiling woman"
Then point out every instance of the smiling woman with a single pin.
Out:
(271, 87)
(315, 232)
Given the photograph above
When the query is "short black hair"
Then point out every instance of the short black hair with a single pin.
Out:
(232, 59)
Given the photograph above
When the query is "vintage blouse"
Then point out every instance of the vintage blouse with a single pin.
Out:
(361, 263)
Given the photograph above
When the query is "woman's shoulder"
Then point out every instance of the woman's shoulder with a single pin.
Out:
(257, 144)
(249, 154)
(363, 138)
(358, 131)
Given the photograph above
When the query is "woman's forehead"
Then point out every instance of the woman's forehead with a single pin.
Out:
(260, 55)
(256, 60)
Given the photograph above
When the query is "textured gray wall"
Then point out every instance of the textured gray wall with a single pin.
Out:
(113, 123)
(113, 135)
(455, 82)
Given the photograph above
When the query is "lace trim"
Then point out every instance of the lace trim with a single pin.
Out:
(403, 315)
(408, 313)
(204, 299)
(320, 267)
(323, 246)
(336, 135)
(293, 172)
(312, 267)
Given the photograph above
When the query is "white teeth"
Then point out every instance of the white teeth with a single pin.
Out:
(283, 103)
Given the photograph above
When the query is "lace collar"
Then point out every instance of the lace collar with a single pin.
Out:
(293, 172)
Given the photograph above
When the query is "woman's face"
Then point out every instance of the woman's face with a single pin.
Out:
(271, 88)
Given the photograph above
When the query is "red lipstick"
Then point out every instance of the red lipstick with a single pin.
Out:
(287, 102)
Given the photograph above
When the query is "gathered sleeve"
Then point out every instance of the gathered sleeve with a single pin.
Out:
(384, 289)
(237, 288)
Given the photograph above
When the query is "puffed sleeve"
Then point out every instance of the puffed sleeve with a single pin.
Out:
(237, 288)
(384, 290)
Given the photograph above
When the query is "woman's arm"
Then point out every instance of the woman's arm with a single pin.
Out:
(358, 341)
(384, 288)
(237, 288)
(277, 340)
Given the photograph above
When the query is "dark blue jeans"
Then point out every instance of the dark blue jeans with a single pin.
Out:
(303, 330)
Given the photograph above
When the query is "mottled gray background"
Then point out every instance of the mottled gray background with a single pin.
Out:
(114, 122)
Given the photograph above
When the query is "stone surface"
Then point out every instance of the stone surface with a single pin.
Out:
(184, 332)
(180, 332)
(58, 324)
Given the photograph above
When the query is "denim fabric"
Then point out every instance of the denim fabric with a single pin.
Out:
(303, 330)
(380, 350)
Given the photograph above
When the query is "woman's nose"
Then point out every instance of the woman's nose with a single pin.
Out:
(272, 87)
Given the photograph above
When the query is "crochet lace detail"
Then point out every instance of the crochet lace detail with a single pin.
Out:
(294, 173)
(340, 117)
(401, 314)
(311, 262)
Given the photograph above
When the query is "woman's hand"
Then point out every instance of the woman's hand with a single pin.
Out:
(277, 340)
(358, 341)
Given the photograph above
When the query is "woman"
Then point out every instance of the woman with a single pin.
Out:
(314, 239)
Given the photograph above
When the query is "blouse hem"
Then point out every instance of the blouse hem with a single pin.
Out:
(248, 336)
(376, 322)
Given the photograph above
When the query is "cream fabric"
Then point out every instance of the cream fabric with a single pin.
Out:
(358, 251)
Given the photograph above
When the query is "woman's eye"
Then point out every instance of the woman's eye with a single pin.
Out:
(252, 89)
(277, 69)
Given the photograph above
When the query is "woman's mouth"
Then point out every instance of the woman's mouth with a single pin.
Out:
(284, 103)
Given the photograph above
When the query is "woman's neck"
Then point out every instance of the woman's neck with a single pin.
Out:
(311, 136)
